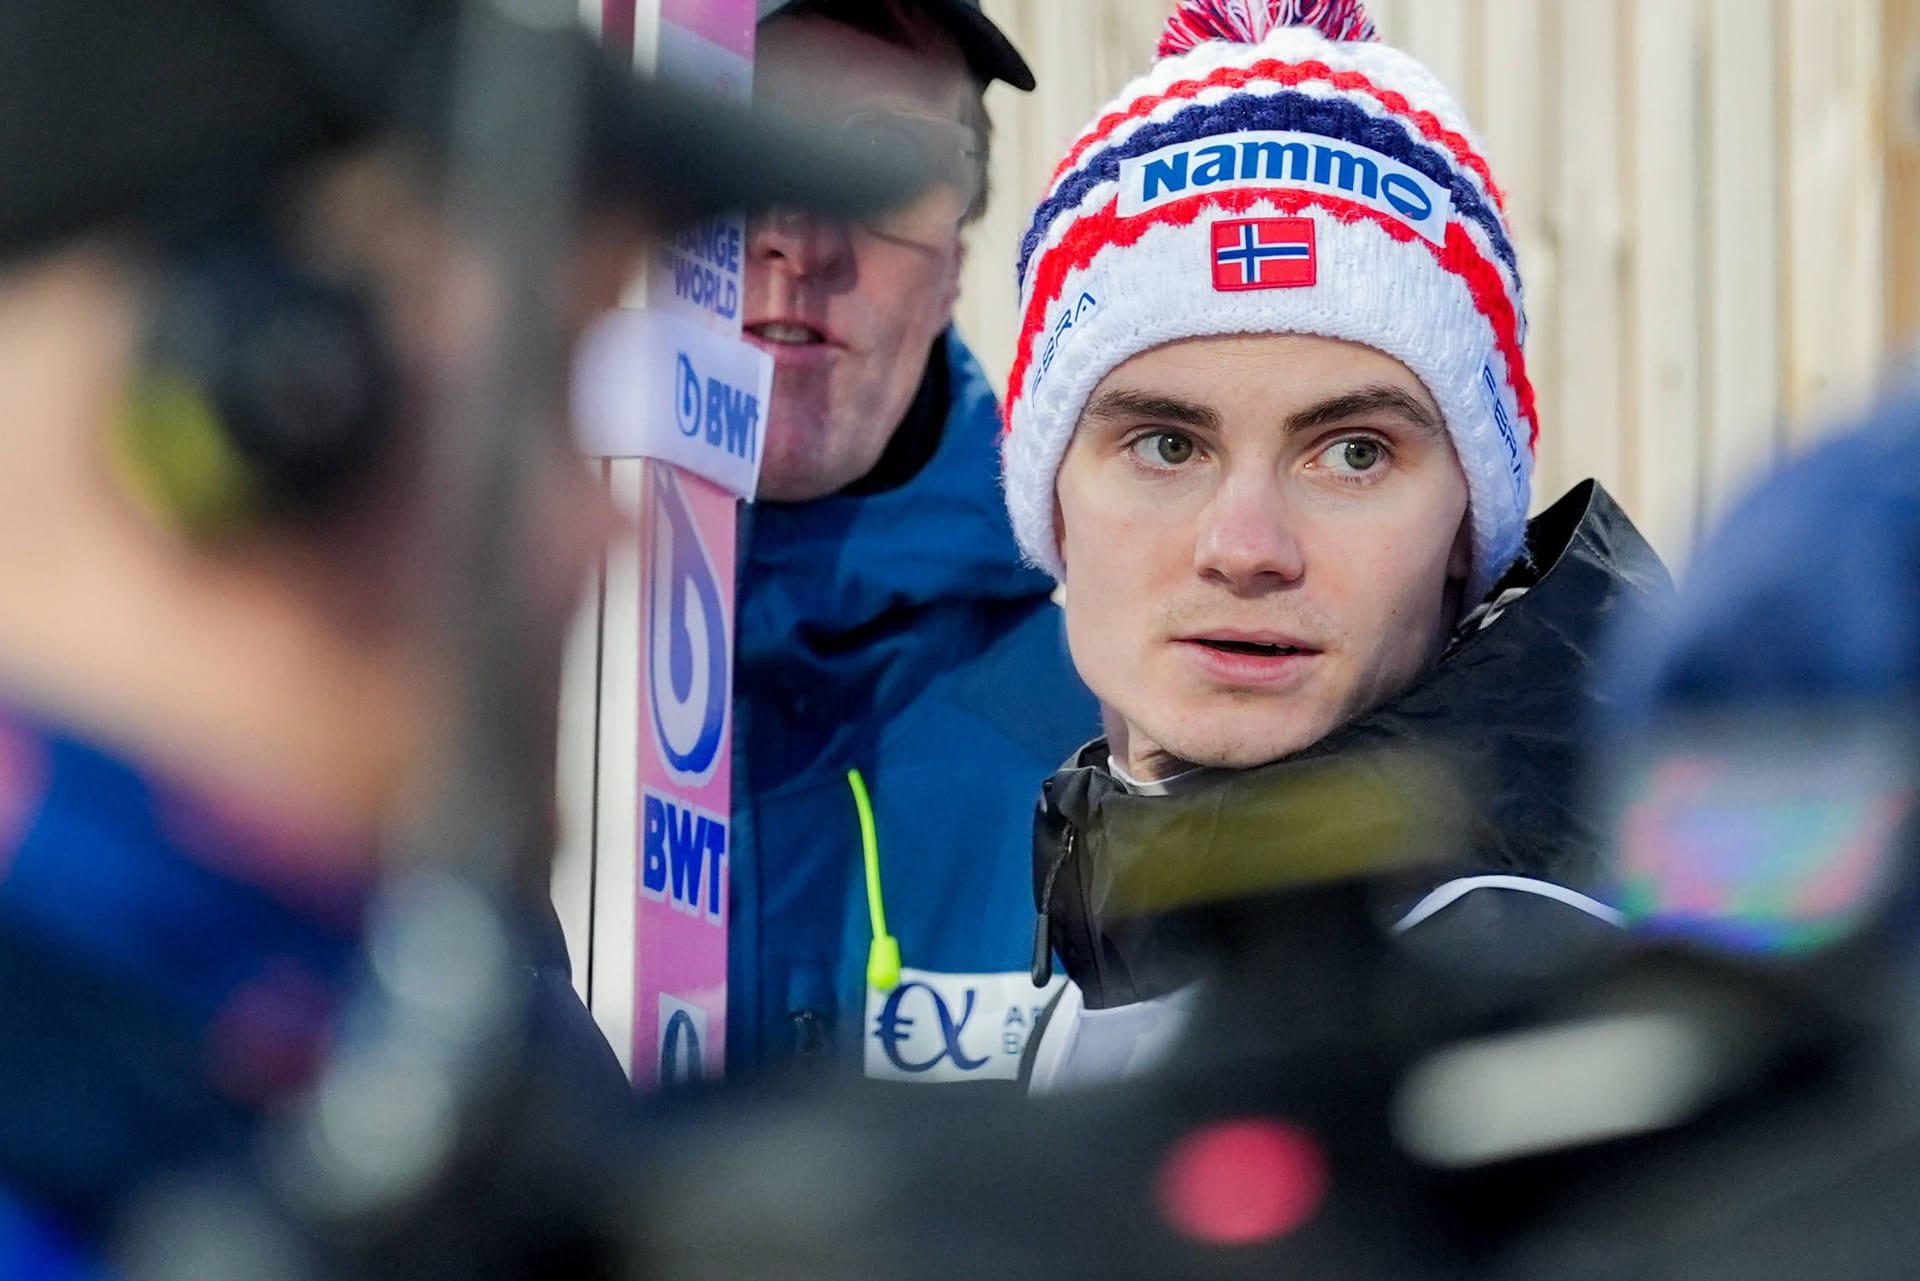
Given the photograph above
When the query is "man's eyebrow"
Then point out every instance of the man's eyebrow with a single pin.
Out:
(1119, 403)
(1362, 402)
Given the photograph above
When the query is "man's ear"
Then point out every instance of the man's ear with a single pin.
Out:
(1460, 555)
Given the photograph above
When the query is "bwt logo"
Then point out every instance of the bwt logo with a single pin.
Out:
(683, 1033)
(687, 643)
(728, 417)
(919, 1042)
(683, 855)
(679, 1050)
(1286, 160)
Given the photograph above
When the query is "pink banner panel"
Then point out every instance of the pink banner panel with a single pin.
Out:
(686, 777)
(727, 23)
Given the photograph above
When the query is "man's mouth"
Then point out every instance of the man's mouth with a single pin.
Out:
(1259, 649)
(1251, 659)
(787, 333)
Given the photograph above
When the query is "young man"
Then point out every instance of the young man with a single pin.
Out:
(237, 286)
(886, 625)
(1270, 425)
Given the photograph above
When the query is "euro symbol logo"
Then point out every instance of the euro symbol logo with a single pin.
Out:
(679, 1050)
(686, 641)
(893, 1029)
(686, 407)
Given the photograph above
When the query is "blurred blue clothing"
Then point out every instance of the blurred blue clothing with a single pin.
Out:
(895, 632)
(167, 966)
(170, 966)
(32, 1248)
(1760, 743)
(1808, 593)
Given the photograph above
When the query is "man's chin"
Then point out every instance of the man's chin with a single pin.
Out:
(803, 464)
(795, 474)
(1228, 748)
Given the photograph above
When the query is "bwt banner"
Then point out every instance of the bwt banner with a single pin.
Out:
(669, 382)
(686, 778)
(648, 384)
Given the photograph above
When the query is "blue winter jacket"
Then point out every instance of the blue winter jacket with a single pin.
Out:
(894, 633)
(168, 975)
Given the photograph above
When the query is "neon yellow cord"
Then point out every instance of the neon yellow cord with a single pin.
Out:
(883, 956)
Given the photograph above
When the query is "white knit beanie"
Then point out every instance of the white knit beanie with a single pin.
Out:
(1272, 177)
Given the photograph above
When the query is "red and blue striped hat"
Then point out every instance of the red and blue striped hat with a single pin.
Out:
(1277, 171)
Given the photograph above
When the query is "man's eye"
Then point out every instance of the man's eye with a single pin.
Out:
(1164, 449)
(1355, 454)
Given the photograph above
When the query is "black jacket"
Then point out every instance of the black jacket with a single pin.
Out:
(1467, 779)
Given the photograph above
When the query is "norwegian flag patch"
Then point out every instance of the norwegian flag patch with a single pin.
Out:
(1263, 253)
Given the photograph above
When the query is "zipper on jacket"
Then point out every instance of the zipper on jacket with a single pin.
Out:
(1043, 926)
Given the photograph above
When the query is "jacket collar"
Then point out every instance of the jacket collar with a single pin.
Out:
(1475, 765)
(902, 540)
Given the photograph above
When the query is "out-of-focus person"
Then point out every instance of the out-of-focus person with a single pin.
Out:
(1271, 427)
(1760, 741)
(1805, 595)
(1757, 752)
(233, 295)
(902, 679)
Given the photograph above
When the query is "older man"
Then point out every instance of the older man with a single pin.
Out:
(896, 662)
(1269, 425)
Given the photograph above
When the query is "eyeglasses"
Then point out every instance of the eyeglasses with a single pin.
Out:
(947, 151)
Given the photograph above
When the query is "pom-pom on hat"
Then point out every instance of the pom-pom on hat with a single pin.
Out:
(1277, 171)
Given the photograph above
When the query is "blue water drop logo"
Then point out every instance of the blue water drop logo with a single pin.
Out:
(687, 406)
(687, 641)
(680, 1052)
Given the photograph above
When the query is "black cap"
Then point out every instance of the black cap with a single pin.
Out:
(112, 106)
(987, 49)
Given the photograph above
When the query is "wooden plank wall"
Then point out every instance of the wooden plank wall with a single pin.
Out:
(1716, 204)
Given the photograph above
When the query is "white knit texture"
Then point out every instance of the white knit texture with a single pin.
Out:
(1100, 193)
(1371, 289)
(1388, 68)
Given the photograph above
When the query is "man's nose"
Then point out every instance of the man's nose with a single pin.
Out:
(1247, 539)
(803, 243)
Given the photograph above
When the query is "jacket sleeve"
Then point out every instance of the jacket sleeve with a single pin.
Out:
(563, 1030)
